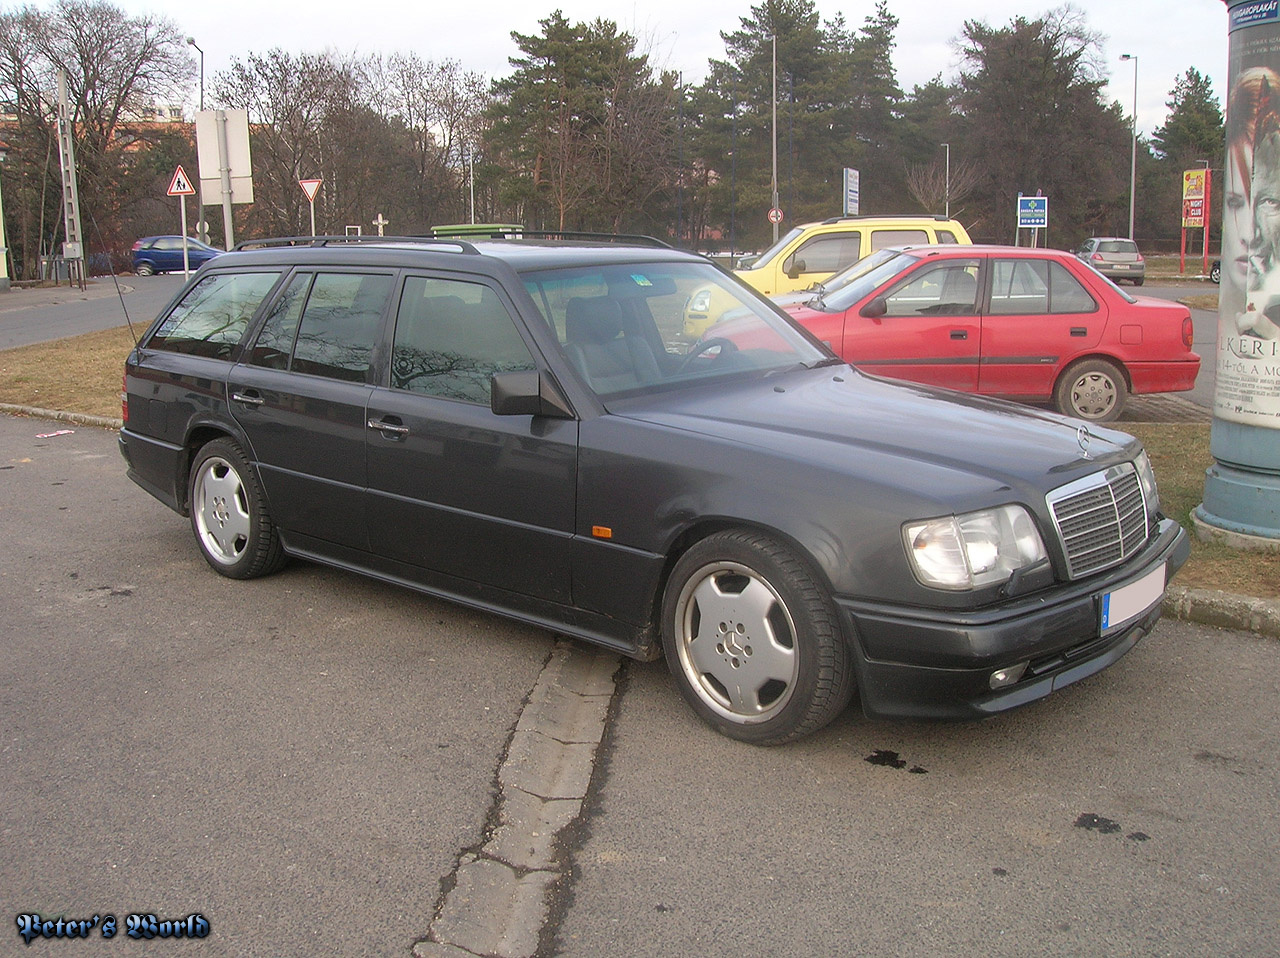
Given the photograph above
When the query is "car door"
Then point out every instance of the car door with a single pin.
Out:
(924, 327)
(816, 259)
(455, 490)
(300, 396)
(1039, 317)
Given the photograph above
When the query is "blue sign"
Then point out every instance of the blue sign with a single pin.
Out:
(1251, 13)
(1033, 212)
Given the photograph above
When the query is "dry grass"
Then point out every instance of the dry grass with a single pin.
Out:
(1180, 455)
(82, 374)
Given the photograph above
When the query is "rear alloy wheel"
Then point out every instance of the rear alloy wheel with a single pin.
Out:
(229, 513)
(1094, 389)
(145, 269)
(752, 640)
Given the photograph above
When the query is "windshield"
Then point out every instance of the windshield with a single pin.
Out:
(623, 326)
(895, 262)
(768, 255)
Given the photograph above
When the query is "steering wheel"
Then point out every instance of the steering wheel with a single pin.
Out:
(727, 346)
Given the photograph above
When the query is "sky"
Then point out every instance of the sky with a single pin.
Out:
(1166, 36)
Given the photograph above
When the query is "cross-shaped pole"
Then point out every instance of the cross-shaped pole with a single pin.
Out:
(380, 222)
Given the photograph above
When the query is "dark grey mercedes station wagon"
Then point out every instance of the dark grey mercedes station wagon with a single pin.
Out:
(520, 427)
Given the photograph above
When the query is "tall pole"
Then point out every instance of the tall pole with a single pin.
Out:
(948, 186)
(202, 228)
(1133, 156)
(4, 252)
(775, 132)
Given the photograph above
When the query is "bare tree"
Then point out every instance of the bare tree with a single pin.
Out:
(932, 186)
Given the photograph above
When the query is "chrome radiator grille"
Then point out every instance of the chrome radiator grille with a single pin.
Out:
(1101, 519)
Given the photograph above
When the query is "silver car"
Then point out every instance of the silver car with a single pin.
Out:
(1114, 257)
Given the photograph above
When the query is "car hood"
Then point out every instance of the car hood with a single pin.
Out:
(849, 421)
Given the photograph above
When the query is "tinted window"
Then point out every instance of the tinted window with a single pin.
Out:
(946, 236)
(451, 337)
(339, 325)
(275, 341)
(883, 238)
(826, 254)
(1118, 246)
(213, 316)
(1036, 287)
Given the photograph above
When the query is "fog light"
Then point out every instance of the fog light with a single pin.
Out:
(1010, 676)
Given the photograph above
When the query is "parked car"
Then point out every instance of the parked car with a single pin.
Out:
(506, 424)
(1028, 324)
(163, 254)
(1215, 271)
(1114, 258)
(812, 253)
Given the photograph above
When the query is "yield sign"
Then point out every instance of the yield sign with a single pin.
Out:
(310, 187)
(181, 186)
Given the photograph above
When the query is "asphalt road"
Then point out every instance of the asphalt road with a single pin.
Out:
(304, 759)
(37, 316)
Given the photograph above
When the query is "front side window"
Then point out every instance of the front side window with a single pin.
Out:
(825, 254)
(214, 314)
(947, 289)
(451, 337)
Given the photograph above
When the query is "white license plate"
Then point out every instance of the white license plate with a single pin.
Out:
(1132, 600)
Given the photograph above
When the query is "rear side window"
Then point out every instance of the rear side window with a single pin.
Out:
(213, 316)
(337, 317)
(947, 237)
(451, 337)
(1036, 288)
(880, 239)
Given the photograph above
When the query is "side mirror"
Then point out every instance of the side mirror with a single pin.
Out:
(527, 393)
(876, 308)
(795, 268)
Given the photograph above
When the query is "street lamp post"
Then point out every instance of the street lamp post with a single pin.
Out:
(1133, 156)
(775, 134)
(202, 228)
(948, 181)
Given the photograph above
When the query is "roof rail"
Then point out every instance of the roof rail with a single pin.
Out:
(637, 239)
(318, 241)
(888, 216)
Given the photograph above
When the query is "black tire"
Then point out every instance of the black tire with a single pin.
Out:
(1215, 272)
(1138, 282)
(1092, 389)
(752, 640)
(229, 513)
(145, 269)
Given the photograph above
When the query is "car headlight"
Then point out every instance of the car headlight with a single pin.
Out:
(973, 550)
(1147, 476)
(700, 301)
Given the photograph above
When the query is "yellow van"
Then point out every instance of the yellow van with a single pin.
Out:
(810, 253)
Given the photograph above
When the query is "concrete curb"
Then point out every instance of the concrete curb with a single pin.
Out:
(76, 418)
(1224, 610)
(499, 899)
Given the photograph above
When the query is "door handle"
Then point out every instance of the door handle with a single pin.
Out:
(250, 398)
(390, 430)
(1079, 331)
(959, 334)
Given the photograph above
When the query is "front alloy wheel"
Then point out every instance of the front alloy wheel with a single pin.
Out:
(752, 640)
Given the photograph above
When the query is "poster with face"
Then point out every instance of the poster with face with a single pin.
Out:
(1248, 349)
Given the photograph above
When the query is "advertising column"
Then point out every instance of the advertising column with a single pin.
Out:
(1242, 488)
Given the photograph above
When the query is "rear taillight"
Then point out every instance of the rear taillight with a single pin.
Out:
(1188, 332)
(137, 245)
(1097, 256)
(124, 396)
(1139, 255)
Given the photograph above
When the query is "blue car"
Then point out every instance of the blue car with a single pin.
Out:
(163, 254)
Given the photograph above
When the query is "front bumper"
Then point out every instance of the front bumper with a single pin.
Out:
(922, 663)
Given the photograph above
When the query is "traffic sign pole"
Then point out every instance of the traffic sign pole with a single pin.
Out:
(181, 187)
(186, 262)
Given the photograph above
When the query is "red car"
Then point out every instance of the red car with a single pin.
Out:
(1036, 325)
